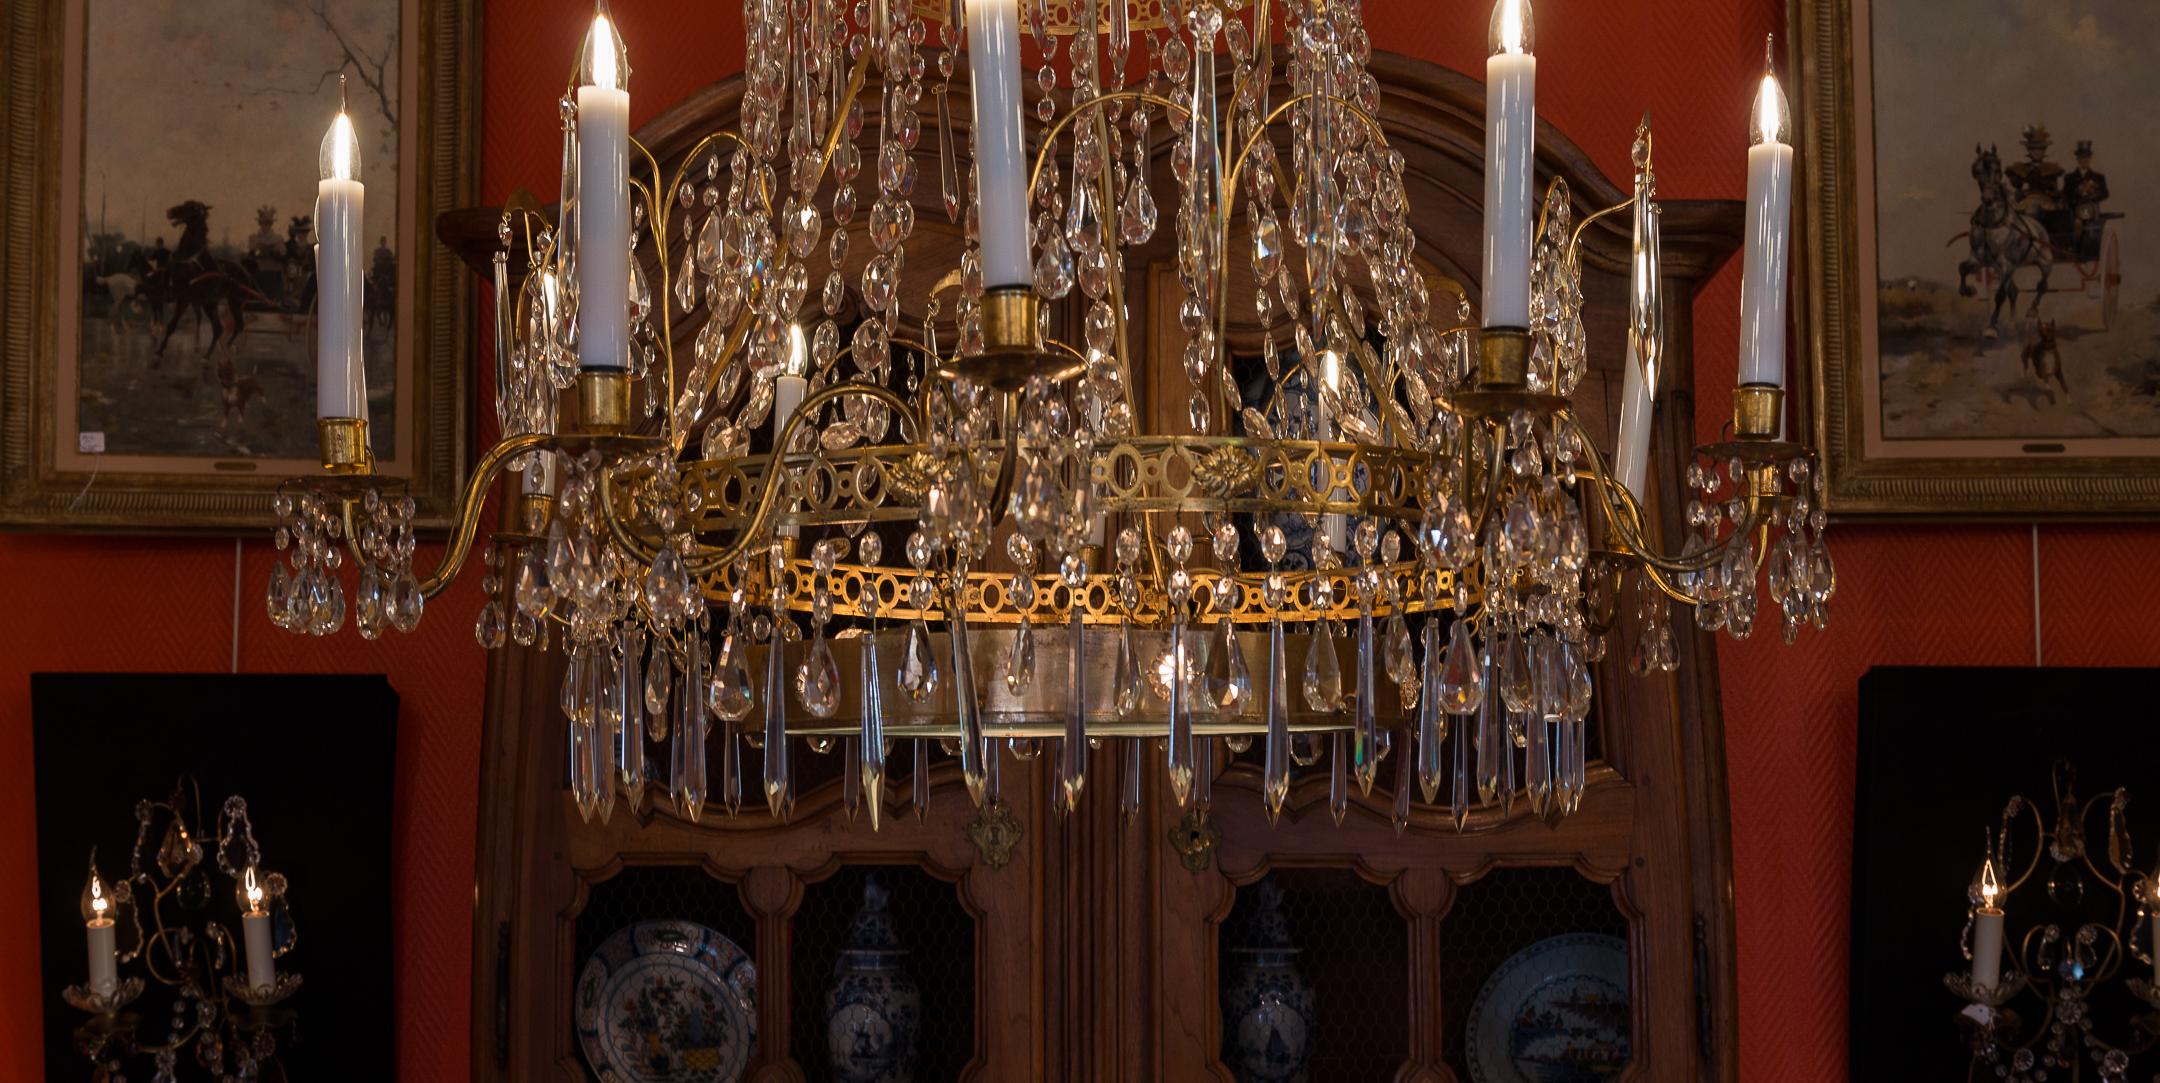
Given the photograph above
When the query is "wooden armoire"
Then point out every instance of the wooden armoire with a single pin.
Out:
(1089, 947)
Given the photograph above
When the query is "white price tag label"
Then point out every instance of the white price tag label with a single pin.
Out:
(90, 443)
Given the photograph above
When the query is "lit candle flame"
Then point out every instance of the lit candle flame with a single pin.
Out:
(1769, 126)
(254, 891)
(344, 147)
(1989, 887)
(1511, 26)
(603, 53)
(1331, 370)
(798, 357)
(98, 901)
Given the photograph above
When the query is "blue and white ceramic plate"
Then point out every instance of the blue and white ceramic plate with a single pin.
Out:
(667, 1002)
(1555, 1012)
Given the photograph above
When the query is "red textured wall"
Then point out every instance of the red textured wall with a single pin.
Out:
(1910, 595)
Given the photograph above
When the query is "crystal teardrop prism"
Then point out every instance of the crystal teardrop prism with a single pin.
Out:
(1462, 676)
(817, 679)
(918, 675)
(730, 695)
(1323, 672)
(1020, 659)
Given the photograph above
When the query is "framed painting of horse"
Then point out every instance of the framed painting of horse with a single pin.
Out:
(1981, 242)
(157, 364)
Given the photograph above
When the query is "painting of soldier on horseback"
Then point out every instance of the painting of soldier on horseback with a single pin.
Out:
(2016, 297)
(195, 315)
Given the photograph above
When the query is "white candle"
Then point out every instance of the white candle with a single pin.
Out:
(788, 389)
(104, 959)
(1639, 384)
(255, 930)
(603, 212)
(1987, 947)
(1000, 150)
(1987, 935)
(340, 377)
(1769, 240)
(97, 910)
(1510, 139)
(262, 972)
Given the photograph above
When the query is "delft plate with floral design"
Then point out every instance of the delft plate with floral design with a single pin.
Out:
(667, 1002)
(1555, 1012)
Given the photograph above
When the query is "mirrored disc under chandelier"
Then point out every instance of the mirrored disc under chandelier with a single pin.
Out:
(967, 536)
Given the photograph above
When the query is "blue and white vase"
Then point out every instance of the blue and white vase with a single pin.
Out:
(873, 1009)
(1267, 1004)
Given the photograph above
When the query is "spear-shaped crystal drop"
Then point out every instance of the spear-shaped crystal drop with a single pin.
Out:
(1364, 755)
(731, 769)
(630, 734)
(1338, 794)
(1323, 672)
(1203, 785)
(1404, 780)
(1178, 747)
(779, 772)
(919, 782)
(1132, 779)
(871, 746)
(967, 709)
(1020, 659)
(1537, 763)
(581, 787)
(1432, 722)
(1459, 800)
(607, 721)
(1492, 743)
(1072, 753)
(690, 729)
(1229, 679)
(1275, 768)
(1126, 677)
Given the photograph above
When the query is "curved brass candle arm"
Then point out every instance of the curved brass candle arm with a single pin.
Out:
(2039, 846)
(467, 517)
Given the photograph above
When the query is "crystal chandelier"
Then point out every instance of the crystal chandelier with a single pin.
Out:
(2071, 953)
(966, 535)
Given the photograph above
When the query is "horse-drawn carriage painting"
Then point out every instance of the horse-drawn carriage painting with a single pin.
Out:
(2016, 194)
(200, 123)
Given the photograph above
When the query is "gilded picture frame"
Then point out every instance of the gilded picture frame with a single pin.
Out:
(211, 412)
(1928, 401)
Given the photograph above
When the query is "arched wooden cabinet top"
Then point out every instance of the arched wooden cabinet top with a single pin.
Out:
(1096, 947)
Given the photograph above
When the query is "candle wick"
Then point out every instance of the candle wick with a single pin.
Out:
(341, 98)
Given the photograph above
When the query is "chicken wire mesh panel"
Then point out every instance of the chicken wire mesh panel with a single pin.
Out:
(1355, 954)
(1498, 916)
(929, 923)
(663, 893)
